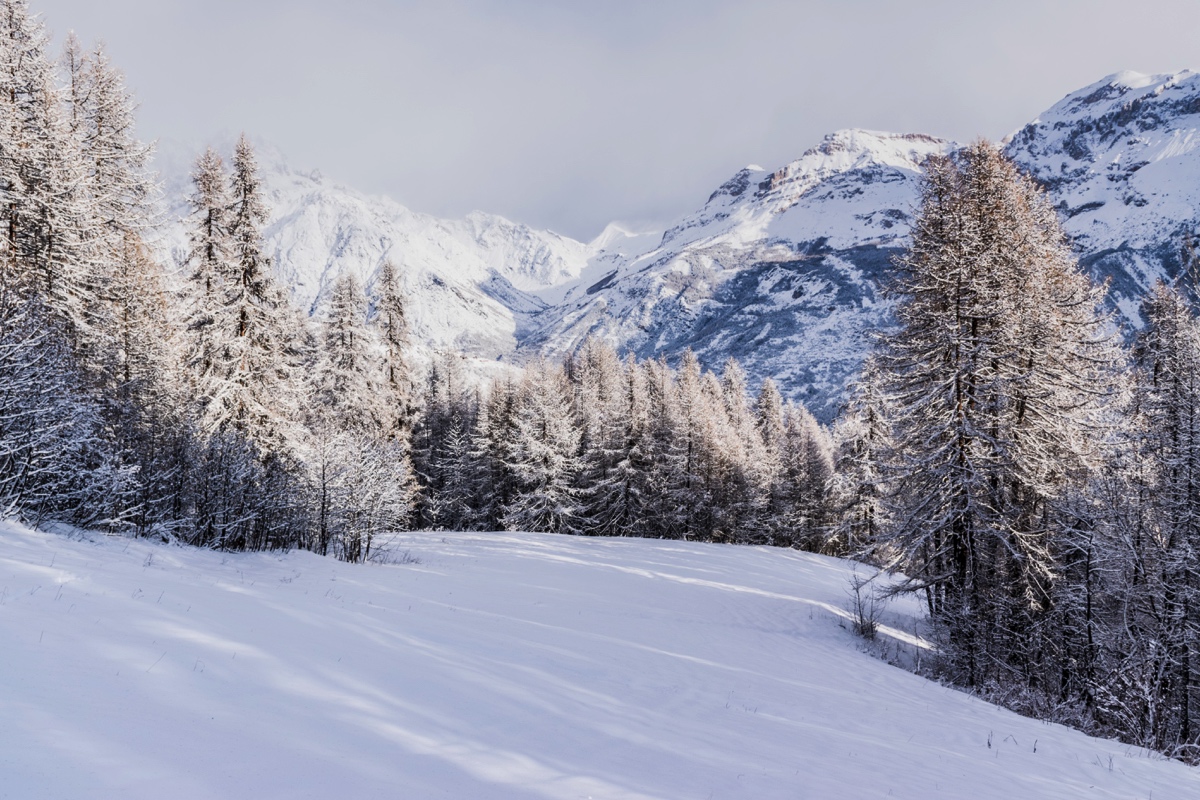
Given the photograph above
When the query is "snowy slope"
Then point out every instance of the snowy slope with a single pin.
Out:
(780, 269)
(500, 666)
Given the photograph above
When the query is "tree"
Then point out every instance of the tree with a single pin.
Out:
(856, 493)
(348, 389)
(391, 323)
(995, 381)
(1164, 596)
(245, 339)
(209, 265)
(45, 213)
(260, 393)
(806, 473)
(543, 454)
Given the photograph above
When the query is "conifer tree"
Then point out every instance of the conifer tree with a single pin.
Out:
(209, 264)
(862, 442)
(543, 454)
(1163, 596)
(348, 388)
(391, 323)
(46, 214)
(259, 393)
(995, 378)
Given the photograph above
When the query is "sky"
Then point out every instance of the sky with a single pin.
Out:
(569, 115)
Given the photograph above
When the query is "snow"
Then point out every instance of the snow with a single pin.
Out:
(1130, 79)
(499, 666)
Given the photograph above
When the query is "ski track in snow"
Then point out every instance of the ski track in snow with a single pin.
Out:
(500, 666)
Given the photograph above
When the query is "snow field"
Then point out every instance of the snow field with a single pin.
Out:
(498, 666)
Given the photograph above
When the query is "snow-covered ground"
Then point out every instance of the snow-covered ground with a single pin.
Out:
(500, 665)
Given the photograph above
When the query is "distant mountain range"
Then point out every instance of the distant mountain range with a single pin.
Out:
(780, 269)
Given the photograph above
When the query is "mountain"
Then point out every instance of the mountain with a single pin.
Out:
(781, 269)
(468, 281)
(1120, 158)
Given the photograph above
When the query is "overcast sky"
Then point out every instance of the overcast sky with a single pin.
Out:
(567, 115)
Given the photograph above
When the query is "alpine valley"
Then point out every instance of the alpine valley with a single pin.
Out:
(781, 268)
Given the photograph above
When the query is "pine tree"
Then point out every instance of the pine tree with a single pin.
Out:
(209, 264)
(746, 488)
(442, 398)
(543, 455)
(491, 440)
(46, 213)
(1165, 602)
(807, 473)
(856, 493)
(391, 323)
(134, 369)
(259, 393)
(348, 388)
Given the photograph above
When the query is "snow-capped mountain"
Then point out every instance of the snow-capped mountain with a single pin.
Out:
(781, 269)
(469, 282)
(1121, 160)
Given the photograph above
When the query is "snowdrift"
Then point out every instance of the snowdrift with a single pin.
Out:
(491, 666)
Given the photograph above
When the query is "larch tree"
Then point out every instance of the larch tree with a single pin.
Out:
(1160, 671)
(995, 380)
(862, 442)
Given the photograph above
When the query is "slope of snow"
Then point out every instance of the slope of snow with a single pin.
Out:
(499, 666)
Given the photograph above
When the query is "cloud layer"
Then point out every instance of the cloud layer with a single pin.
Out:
(568, 115)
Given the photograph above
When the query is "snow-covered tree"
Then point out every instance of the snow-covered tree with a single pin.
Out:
(348, 386)
(543, 454)
(994, 379)
(862, 441)
(390, 320)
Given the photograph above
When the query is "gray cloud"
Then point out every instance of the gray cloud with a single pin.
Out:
(567, 115)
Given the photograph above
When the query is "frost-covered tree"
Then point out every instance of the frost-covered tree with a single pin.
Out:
(390, 320)
(245, 339)
(209, 264)
(862, 442)
(1155, 688)
(543, 454)
(995, 379)
(259, 391)
(806, 473)
(348, 386)
(45, 213)
(618, 478)
(744, 487)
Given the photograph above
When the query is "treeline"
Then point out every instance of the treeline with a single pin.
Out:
(1036, 481)
(610, 447)
(196, 403)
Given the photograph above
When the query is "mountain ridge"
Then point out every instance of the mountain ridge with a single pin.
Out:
(779, 268)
